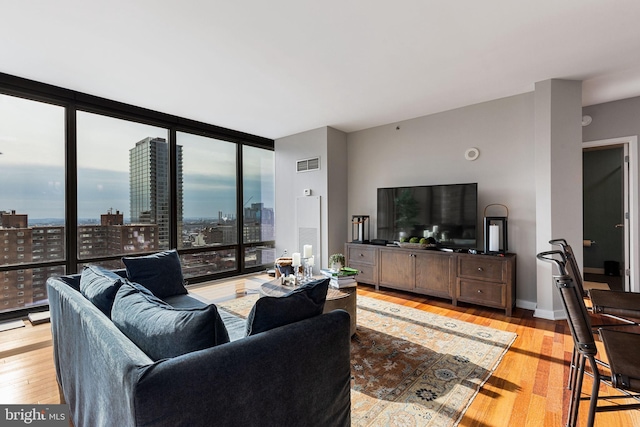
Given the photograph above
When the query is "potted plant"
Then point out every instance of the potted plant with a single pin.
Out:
(407, 210)
(336, 262)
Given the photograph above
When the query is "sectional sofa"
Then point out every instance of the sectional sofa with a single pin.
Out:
(127, 357)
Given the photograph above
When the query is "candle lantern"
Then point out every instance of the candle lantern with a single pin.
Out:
(360, 229)
(495, 231)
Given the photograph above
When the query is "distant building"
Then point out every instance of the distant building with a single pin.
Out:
(111, 218)
(149, 186)
(258, 223)
(21, 244)
(13, 220)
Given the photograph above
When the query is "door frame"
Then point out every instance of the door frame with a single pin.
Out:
(632, 225)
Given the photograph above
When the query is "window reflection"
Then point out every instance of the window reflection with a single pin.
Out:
(123, 187)
(209, 192)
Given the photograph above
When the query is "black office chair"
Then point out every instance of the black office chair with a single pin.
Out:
(622, 350)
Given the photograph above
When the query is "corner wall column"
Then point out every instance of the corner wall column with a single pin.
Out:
(558, 180)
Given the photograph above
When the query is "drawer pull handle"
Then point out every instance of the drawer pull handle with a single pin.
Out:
(479, 291)
(480, 269)
(361, 254)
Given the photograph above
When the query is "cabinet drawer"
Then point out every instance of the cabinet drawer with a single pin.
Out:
(483, 293)
(482, 267)
(366, 273)
(361, 255)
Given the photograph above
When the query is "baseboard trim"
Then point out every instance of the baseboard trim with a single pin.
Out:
(527, 305)
(550, 314)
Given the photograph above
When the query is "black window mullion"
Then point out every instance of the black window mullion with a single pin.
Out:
(71, 190)
(240, 207)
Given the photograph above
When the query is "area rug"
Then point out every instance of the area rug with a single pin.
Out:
(410, 367)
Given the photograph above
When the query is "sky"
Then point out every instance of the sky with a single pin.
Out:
(32, 165)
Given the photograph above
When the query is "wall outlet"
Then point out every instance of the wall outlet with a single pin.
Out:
(307, 191)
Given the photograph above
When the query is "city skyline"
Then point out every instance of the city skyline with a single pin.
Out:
(32, 168)
(39, 192)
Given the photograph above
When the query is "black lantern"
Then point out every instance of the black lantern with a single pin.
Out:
(495, 232)
(360, 229)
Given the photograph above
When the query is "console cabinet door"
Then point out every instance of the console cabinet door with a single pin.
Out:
(435, 273)
(396, 269)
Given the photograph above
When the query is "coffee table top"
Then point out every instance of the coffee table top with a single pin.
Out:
(275, 289)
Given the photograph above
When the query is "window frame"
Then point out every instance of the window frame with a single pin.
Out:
(74, 101)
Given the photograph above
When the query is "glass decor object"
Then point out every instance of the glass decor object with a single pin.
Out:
(495, 231)
(360, 229)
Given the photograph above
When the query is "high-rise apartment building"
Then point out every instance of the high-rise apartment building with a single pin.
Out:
(149, 186)
(21, 244)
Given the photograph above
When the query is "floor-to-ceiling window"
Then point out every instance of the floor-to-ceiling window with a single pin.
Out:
(88, 180)
(123, 188)
(258, 188)
(209, 204)
(32, 200)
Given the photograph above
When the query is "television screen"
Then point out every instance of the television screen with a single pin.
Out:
(448, 213)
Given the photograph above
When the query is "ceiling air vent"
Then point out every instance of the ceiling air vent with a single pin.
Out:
(308, 165)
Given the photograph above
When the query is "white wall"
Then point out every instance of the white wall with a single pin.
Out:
(430, 150)
(330, 183)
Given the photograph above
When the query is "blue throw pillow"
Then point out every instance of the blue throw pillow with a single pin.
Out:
(302, 303)
(162, 331)
(161, 273)
(99, 286)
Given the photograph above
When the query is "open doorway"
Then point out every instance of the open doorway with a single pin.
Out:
(603, 175)
(610, 223)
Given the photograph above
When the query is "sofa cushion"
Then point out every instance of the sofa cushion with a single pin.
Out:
(302, 303)
(99, 286)
(162, 331)
(161, 273)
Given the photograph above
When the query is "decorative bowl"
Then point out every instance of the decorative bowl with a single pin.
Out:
(408, 245)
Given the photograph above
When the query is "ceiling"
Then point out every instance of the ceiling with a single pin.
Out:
(276, 68)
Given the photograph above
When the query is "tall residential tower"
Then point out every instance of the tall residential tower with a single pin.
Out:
(149, 186)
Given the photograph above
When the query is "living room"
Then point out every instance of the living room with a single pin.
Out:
(529, 136)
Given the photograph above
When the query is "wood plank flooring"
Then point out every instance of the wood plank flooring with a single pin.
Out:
(527, 389)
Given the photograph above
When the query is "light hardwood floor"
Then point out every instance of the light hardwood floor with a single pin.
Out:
(527, 389)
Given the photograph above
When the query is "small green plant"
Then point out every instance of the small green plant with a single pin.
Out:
(337, 259)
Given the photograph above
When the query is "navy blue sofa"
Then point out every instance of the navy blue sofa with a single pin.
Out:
(293, 375)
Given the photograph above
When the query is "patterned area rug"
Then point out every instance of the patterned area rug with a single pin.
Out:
(410, 367)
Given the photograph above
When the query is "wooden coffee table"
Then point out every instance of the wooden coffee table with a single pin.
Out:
(344, 299)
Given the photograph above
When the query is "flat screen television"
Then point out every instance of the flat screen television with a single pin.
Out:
(448, 213)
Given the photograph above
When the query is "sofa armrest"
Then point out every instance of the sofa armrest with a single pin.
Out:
(96, 365)
(295, 375)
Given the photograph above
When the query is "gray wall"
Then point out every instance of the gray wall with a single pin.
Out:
(430, 150)
(615, 120)
(612, 120)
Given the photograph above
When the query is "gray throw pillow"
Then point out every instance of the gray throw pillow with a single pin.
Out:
(302, 303)
(162, 331)
(161, 273)
(99, 286)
